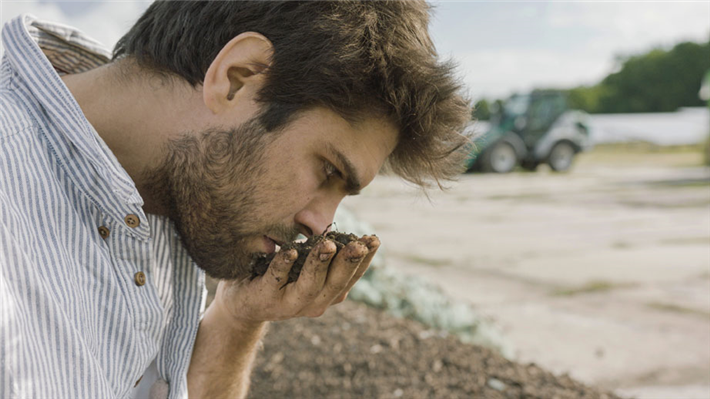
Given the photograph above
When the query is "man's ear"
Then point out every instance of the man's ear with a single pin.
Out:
(236, 72)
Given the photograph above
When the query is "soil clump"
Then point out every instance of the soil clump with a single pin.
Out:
(304, 248)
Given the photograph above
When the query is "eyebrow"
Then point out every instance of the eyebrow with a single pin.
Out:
(352, 181)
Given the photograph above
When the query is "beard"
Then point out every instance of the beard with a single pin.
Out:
(212, 186)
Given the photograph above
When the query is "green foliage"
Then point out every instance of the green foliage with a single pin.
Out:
(585, 97)
(657, 81)
(481, 111)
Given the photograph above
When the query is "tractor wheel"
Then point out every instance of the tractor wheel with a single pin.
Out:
(502, 158)
(561, 157)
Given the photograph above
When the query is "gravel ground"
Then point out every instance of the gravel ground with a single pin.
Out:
(354, 351)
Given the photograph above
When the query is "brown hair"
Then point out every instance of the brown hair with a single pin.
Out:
(356, 58)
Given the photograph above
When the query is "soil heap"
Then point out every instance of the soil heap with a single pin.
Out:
(354, 351)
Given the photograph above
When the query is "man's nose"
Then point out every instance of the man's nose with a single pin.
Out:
(316, 218)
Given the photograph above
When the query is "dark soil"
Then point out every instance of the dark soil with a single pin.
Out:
(303, 248)
(354, 351)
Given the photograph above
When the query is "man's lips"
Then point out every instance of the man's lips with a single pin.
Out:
(272, 245)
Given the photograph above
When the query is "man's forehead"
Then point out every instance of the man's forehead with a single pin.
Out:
(371, 125)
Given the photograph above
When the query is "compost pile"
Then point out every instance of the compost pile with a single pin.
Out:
(354, 351)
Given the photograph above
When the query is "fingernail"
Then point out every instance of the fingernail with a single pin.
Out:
(290, 255)
(371, 242)
(356, 260)
(325, 254)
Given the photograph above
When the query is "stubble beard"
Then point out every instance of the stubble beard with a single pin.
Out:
(211, 185)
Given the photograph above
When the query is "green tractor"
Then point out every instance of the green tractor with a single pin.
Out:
(529, 130)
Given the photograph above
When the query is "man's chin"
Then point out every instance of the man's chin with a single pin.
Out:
(227, 268)
(235, 265)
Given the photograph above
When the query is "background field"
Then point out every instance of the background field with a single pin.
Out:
(603, 272)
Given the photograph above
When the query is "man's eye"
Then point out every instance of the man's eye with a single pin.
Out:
(331, 171)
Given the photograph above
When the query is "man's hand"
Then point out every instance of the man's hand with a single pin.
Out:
(225, 346)
(324, 280)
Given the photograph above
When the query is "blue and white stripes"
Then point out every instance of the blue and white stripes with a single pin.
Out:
(73, 321)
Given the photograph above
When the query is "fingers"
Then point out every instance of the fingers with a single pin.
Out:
(277, 275)
(372, 243)
(326, 278)
(314, 272)
(342, 270)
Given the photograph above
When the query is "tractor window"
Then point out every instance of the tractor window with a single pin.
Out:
(544, 111)
(516, 106)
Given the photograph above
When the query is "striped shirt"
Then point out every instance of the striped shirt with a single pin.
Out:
(92, 289)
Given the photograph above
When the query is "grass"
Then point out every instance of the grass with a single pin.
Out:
(669, 307)
(594, 286)
(701, 183)
(646, 147)
(644, 154)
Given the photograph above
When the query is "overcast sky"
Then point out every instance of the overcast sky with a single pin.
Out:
(501, 47)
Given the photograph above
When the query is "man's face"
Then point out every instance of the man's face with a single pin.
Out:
(234, 194)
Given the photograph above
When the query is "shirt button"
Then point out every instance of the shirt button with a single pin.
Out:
(104, 232)
(139, 279)
(132, 221)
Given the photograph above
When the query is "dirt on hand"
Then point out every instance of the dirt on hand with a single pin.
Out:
(354, 351)
(304, 248)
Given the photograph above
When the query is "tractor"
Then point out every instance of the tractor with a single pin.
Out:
(528, 130)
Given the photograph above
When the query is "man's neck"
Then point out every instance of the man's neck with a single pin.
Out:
(136, 116)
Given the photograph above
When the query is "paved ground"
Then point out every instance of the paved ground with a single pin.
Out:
(603, 272)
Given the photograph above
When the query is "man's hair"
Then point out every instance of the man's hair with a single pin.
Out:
(357, 58)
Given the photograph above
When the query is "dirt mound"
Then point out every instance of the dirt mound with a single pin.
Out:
(354, 351)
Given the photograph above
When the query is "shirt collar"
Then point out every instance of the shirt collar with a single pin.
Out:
(37, 50)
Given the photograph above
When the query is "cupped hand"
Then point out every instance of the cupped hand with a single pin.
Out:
(326, 279)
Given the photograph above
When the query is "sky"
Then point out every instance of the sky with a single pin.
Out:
(500, 47)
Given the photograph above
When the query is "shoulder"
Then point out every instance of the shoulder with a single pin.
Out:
(15, 114)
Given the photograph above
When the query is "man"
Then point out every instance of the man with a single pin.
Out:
(217, 131)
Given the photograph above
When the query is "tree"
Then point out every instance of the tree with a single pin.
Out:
(481, 111)
(657, 81)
